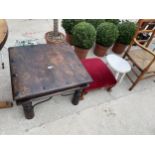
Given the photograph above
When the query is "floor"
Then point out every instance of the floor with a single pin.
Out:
(101, 112)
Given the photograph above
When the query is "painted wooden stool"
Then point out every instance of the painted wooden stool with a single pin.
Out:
(119, 65)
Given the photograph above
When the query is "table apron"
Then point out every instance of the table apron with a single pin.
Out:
(50, 94)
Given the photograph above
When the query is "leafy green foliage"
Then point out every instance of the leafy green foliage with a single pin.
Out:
(114, 21)
(68, 24)
(126, 32)
(95, 22)
(107, 34)
(84, 35)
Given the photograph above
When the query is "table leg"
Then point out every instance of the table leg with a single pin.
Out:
(77, 96)
(28, 109)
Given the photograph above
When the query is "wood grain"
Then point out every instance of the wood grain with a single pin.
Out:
(44, 69)
(3, 32)
(142, 58)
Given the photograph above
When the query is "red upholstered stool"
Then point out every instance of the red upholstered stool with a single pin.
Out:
(100, 73)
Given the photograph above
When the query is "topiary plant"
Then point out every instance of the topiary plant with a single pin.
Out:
(114, 21)
(84, 35)
(95, 22)
(126, 32)
(68, 24)
(107, 34)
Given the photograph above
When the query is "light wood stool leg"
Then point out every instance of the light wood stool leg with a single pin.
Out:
(117, 76)
(122, 77)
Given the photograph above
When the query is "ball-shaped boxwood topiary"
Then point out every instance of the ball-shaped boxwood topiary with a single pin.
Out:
(95, 22)
(114, 21)
(107, 34)
(126, 32)
(68, 24)
(84, 35)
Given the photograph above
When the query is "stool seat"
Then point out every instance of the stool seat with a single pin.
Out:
(100, 73)
(118, 63)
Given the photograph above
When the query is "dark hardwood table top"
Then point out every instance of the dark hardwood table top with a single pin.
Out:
(43, 69)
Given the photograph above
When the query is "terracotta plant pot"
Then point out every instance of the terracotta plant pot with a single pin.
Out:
(81, 53)
(100, 50)
(119, 48)
(69, 38)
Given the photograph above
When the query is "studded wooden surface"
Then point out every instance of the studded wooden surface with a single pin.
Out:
(43, 69)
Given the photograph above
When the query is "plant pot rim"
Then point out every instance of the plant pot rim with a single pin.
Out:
(82, 48)
(68, 33)
(103, 45)
(121, 43)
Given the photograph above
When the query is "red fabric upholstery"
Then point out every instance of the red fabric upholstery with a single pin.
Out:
(100, 73)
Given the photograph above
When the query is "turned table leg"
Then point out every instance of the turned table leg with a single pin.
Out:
(77, 96)
(28, 109)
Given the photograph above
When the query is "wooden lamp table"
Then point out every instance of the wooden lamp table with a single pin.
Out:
(43, 70)
(3, 37)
